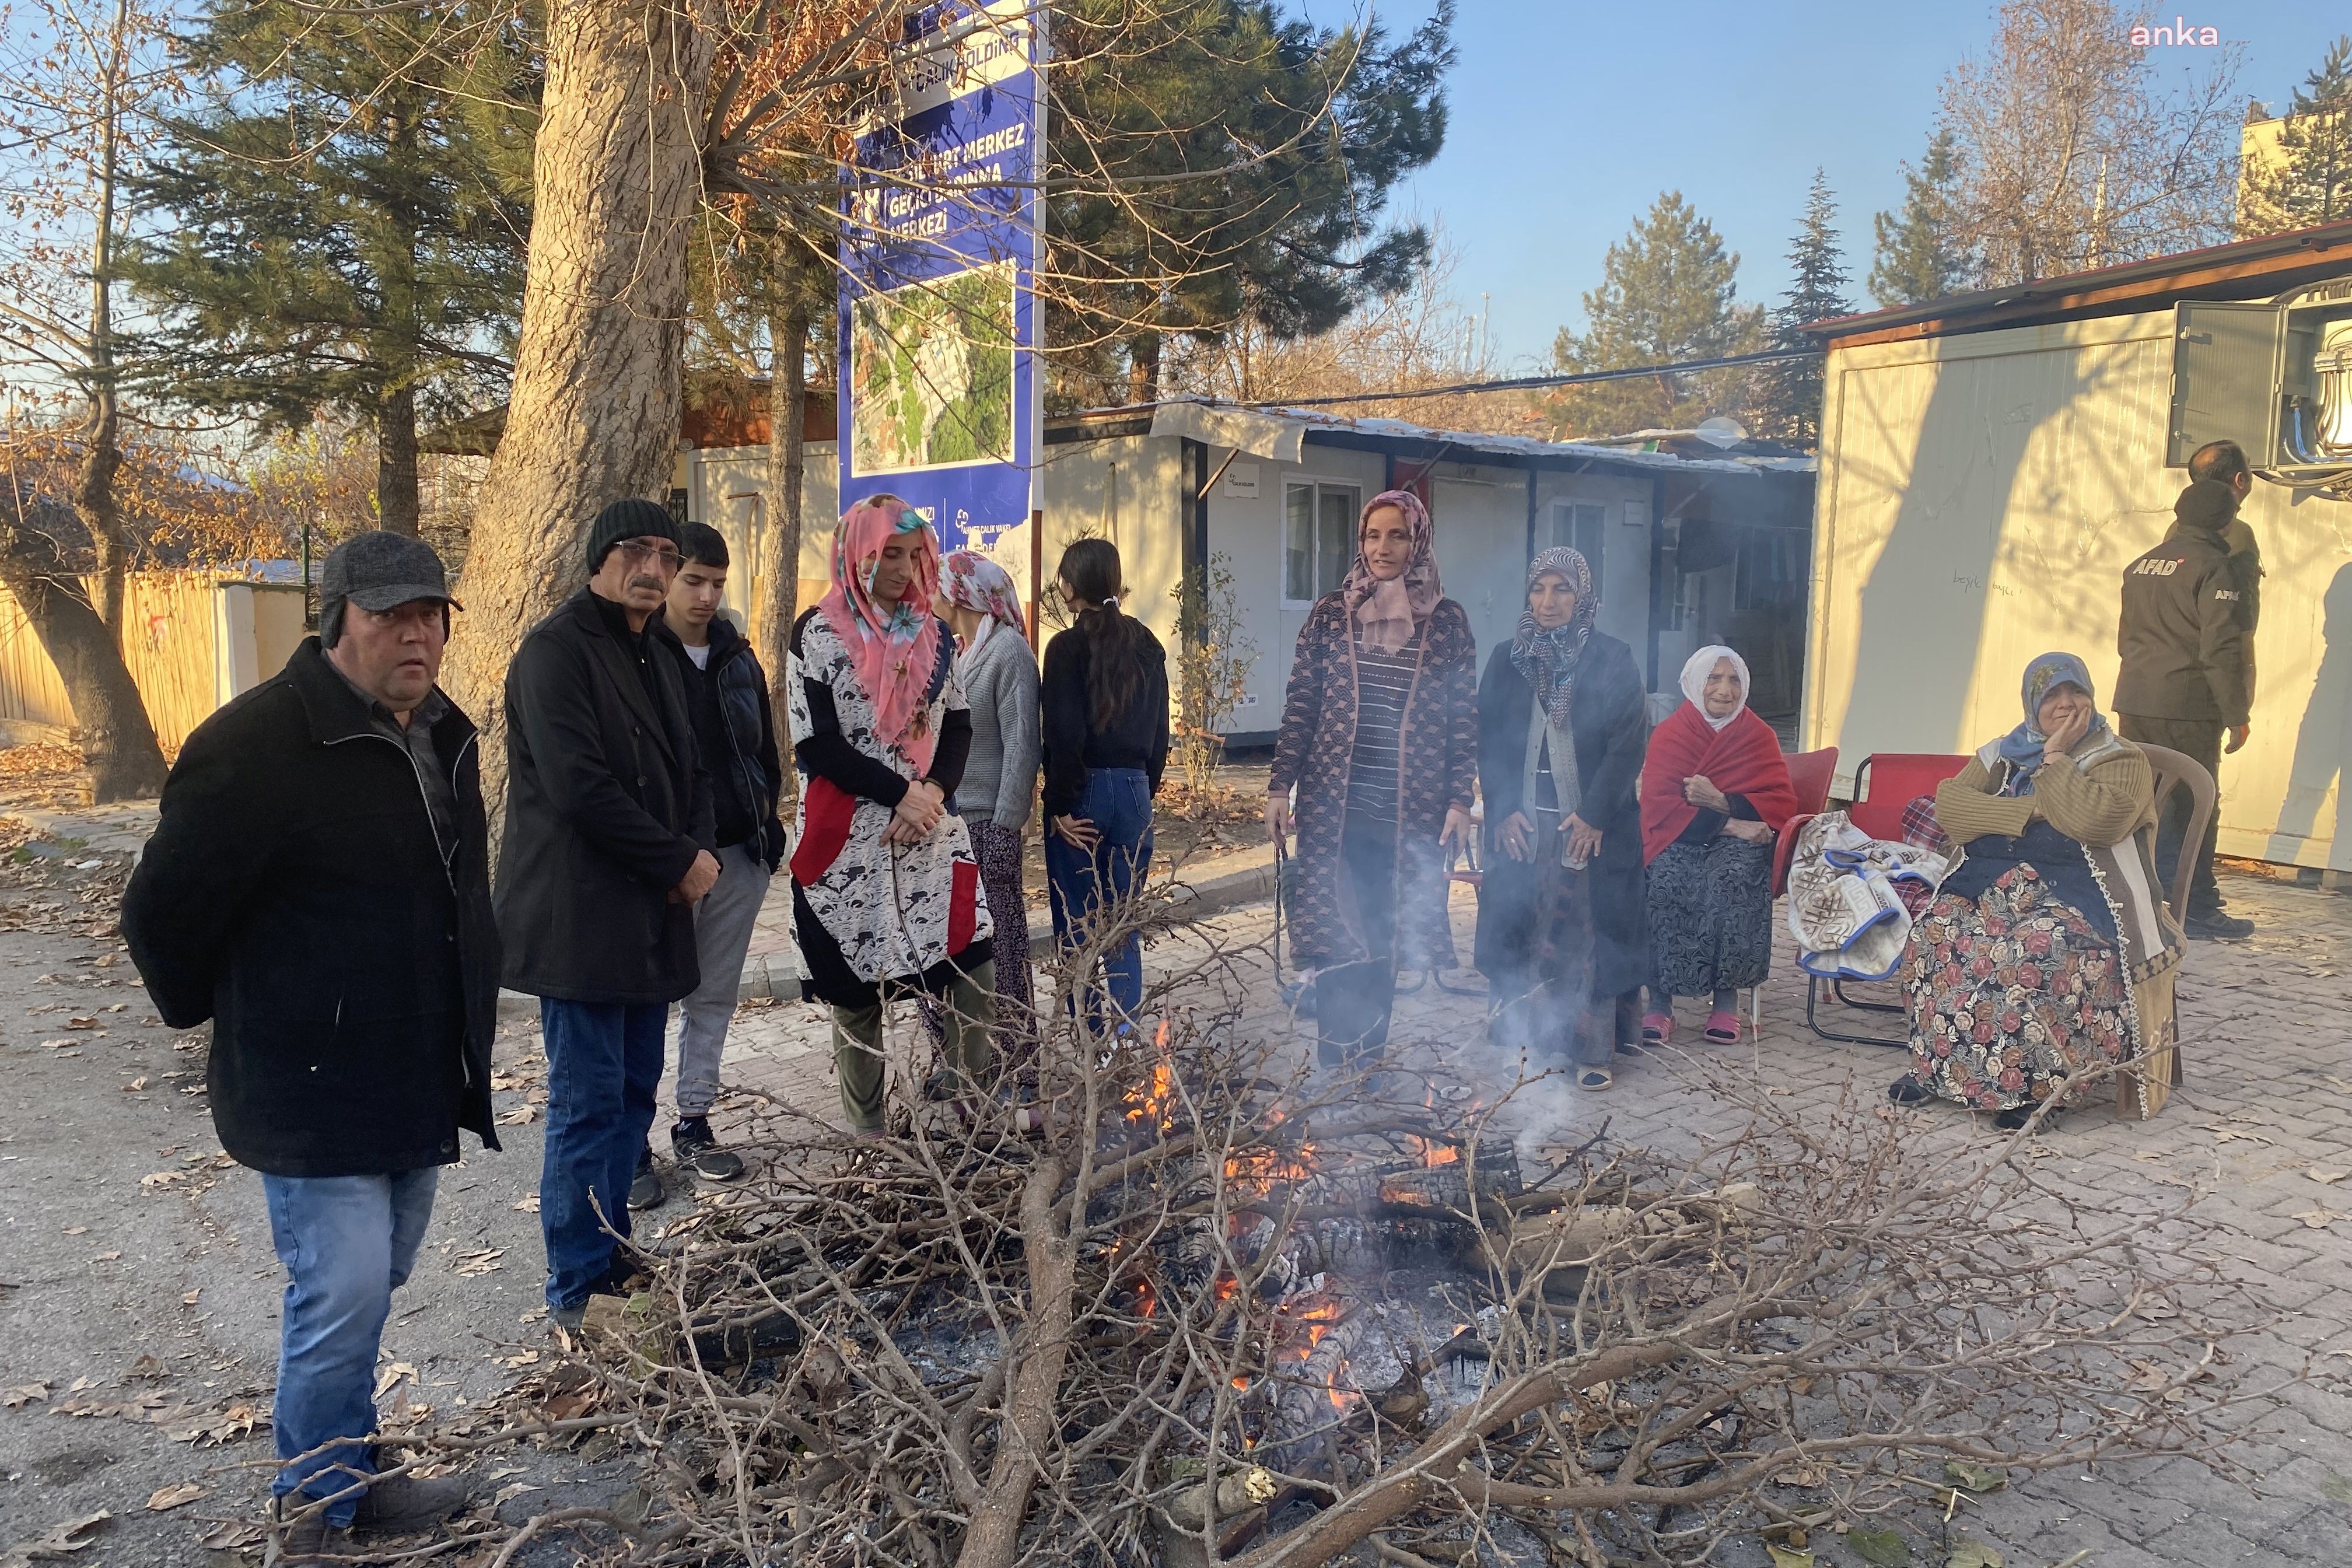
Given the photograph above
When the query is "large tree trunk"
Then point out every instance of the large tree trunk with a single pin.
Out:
(780, 550)
(93, 496)
(396, 461)
(597, 385)
(111, 721)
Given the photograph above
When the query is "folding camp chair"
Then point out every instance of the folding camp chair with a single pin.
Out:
(1895, 779)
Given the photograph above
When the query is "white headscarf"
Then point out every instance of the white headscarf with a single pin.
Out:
(1694, 674)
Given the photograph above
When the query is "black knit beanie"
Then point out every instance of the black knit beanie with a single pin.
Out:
(636, 518)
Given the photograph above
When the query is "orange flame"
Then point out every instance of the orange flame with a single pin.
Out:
(1433, 1153)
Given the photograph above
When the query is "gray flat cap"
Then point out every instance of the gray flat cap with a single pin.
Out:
(377, 571)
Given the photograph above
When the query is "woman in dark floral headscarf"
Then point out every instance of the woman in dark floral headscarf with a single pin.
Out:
(1562, 723)
(1379, 738)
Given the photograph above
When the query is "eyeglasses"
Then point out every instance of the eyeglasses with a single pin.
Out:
(668, 558)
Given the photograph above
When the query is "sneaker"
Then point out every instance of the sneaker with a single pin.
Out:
(1909, 1090)
(404, 1504)
(692, 1144)
(2215, 925)
(645, 1189)
(299, 1533)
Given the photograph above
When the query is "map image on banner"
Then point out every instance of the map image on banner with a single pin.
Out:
(930, 372)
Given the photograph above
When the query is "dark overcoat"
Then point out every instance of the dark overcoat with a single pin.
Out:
(1437, 763)
(295, 893)
(1609, 724)
(608, 804)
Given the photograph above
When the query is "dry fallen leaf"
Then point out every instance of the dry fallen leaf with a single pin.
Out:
(165, 1498)
(106, 1257)
(135, 1085)
(154, 1181)
(192, 1296)
(391, 1375)
(2326, 1176)
(2318, 1219)
(482, 1260)
(526, 1204)
(58, 1545)
(77, 1230)
(23, 1393)
(146, 1366)
(520, 1116)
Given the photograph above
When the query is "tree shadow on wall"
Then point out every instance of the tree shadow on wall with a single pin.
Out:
(2323, 742)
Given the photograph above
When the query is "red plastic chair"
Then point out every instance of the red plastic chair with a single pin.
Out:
(1895, 779)
(1810, 773)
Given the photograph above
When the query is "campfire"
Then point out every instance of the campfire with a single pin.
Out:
(1230, 1310)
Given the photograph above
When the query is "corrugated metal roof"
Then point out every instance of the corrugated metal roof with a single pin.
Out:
(1278, 434)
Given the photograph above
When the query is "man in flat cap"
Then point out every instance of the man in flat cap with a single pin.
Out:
(608, 845)
(319, 888)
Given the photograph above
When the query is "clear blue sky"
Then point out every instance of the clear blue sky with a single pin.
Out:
(1569, 119)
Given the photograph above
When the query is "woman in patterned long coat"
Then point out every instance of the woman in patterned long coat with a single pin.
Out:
(1379, 739)
(886, 899)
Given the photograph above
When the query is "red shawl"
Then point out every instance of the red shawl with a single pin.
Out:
(1743, 758)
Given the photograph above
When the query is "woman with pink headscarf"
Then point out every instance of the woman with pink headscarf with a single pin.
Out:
(1379, 739)
(886, 900)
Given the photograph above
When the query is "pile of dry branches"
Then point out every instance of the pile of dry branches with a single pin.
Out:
(1228, 1310)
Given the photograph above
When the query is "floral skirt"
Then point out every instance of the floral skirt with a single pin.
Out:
(2011, 994)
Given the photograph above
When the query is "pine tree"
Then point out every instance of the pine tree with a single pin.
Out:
(350, 213)
(2312, 180)
(1919, 254)
(1788, 399)
(1312, 128)
(1667, 294)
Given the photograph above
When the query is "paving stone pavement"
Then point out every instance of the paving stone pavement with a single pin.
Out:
(2268, 1098)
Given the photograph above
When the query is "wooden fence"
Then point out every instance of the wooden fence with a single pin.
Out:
(174, 626)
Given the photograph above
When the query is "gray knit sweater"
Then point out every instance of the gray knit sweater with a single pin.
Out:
(1000, 776)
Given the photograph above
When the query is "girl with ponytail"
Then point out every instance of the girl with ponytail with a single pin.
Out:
(1104, 701)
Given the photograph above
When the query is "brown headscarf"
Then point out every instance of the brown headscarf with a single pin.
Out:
(1387, 612)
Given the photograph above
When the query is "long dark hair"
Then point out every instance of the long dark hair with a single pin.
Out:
(1115, 641)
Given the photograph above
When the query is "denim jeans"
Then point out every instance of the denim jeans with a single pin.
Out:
(1117, 801)
(603, 1065)
(348, 1243)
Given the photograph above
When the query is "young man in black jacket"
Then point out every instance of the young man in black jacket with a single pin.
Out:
(2188, 675)
(319, 888)
(607, 847)
(735, 728)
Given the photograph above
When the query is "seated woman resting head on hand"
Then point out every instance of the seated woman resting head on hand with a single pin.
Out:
(2049, 951)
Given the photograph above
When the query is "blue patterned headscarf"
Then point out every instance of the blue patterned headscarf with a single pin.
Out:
(2021, 747)
(1548, 657)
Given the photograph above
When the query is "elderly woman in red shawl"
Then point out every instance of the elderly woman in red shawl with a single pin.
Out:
(886, 899)
(1379, 738)
(1715, 792)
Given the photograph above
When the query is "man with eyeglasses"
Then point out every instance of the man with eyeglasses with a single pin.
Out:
(608, 845)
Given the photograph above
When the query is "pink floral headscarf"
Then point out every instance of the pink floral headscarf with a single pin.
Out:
(972, 580)
(1387, 612)
(893, 649)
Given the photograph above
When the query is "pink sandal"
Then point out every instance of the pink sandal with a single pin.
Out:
(1723, 1028)
(1657, 1029)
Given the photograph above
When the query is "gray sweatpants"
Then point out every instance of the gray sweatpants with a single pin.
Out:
(722, 933)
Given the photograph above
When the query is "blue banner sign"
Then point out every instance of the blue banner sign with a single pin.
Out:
(939, 393)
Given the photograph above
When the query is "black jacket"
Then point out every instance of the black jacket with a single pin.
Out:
(1135, 738)
(2183, 629)
(608, 804)
(295, 893)
(1609, 722)
(735, 724)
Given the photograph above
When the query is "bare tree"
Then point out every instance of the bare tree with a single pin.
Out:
(2073, 155)
(88, 73)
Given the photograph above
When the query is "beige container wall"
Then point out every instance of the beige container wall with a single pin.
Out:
(172, 630)
(1979, 498)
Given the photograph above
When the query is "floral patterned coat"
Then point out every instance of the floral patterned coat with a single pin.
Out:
(1438, 754)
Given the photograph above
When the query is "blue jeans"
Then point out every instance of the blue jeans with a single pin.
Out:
(348, 1243)
(1117, 801)
(603, 1065)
